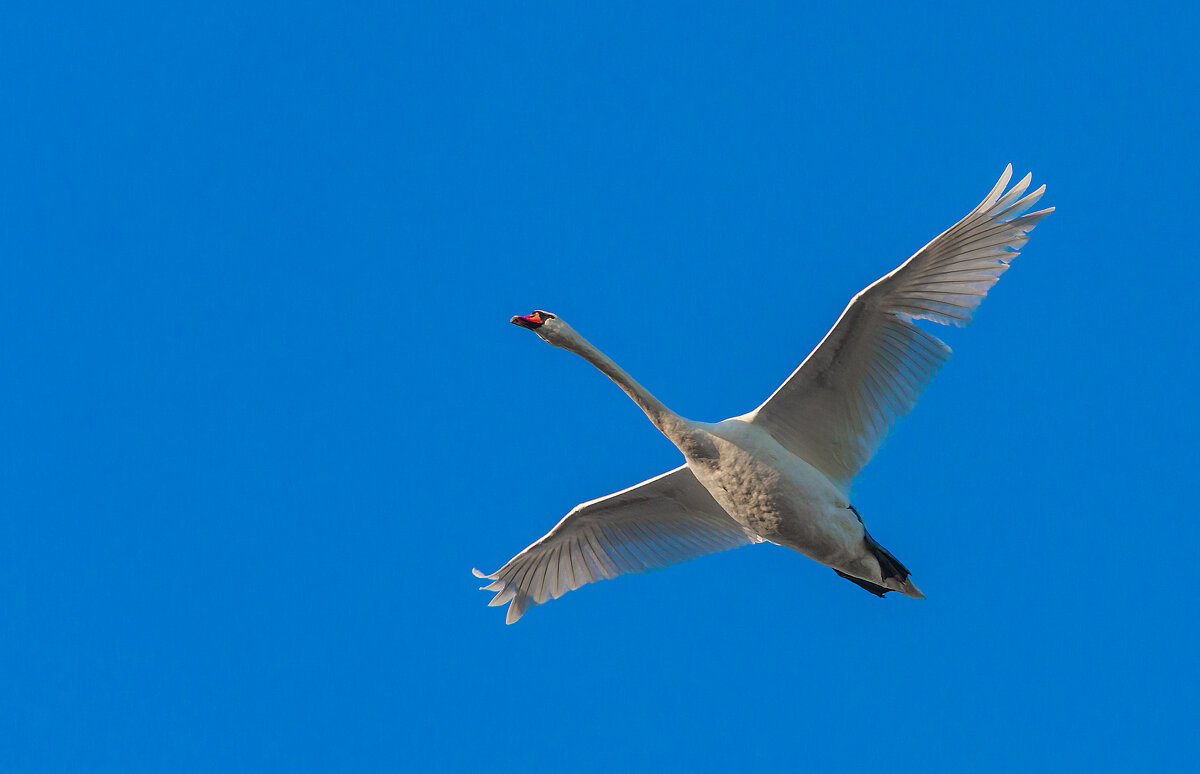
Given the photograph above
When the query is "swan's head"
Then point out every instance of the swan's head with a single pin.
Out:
(548, 326)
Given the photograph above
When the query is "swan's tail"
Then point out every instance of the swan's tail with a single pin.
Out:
(894, 574)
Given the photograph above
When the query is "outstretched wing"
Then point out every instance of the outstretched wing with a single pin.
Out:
(836, 408)
(668, 519)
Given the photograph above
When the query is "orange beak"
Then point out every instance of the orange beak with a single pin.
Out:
(531, 321)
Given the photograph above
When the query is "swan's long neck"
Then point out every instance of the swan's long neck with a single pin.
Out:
(671, 424)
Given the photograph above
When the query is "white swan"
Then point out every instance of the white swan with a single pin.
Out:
(782, 472)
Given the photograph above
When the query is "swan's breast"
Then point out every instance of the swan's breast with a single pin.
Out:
(771, 491)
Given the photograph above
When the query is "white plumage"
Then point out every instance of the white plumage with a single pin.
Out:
(869, 370)
(782, 472)
(670, 518)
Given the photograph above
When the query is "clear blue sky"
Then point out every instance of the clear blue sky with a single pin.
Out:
(262, 409)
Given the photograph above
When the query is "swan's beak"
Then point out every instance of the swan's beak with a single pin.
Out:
(531, 321)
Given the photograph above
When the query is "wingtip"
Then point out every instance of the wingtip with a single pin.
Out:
(997, 190)
(477, 573)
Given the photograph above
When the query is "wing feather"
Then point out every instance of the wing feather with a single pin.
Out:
(668, 519)
(836, 408)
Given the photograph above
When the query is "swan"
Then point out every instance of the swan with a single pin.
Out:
(782, 472)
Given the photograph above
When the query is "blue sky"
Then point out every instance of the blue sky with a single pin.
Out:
(263, 410)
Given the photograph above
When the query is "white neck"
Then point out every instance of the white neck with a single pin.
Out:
(668, 422)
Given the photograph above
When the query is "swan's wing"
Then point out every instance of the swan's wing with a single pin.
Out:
(667, 519)
(869, 370)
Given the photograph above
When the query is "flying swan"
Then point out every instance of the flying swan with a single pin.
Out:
(782, 473)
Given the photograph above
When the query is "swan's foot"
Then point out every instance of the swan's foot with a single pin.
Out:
(875, 589)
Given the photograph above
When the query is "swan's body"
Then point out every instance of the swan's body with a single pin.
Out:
(782, 472)
(779, 497)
